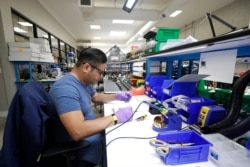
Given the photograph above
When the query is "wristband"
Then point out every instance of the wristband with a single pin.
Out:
(114, 118)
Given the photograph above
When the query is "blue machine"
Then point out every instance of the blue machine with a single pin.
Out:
(170, 119)
(211, 114)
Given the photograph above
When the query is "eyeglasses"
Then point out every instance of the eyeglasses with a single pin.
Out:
(98, 69)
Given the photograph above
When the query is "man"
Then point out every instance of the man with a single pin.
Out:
(72, 95)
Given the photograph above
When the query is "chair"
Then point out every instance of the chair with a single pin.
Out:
(26, 140)
(99, 88)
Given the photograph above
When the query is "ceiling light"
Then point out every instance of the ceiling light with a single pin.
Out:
(140, 38)
(96, 27)
(123, 21)
(97, 38)
(26, 24)
(45, 36)
(129, 5)
(152, 29)
(17, 29)
(117, 33)
(175, 13)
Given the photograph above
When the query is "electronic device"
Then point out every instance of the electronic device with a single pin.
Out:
(55, 72)
(211, 114)
(168, 119)
(155, 108)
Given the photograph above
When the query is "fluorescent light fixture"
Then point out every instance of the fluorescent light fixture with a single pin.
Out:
(95, 27)
(123, 21)
(117, 33)
(129, 5)
(140, 38)
(147, 26)
(175, 13)
(17, 29)
(97, 38)
(152, 29)
(45, 36)
(26, 24)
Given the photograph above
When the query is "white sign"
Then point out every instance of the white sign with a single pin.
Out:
(219, 65)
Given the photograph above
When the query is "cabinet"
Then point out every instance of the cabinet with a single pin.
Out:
(185, 59)
(27, 71)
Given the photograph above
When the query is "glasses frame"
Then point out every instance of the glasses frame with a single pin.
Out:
(101, 72)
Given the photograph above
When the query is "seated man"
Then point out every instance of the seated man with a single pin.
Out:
(72, 95)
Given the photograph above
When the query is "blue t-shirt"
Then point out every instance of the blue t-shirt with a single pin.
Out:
(69, 94)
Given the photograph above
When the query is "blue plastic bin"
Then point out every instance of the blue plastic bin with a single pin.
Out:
(153, 81)
(197, 152)
(181, 88)
(191, 112)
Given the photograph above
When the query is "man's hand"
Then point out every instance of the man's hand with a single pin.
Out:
(124, 96)
(124, 114)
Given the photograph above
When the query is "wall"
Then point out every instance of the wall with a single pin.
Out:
(3, 99)
(237, 14)
(35, 12)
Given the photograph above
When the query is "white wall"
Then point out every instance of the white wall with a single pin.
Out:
(237, 14)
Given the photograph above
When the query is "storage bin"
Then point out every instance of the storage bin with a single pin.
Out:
(226, 152)
(222, 97)
(197, 152)
(163, 96)
(181, 88)
(191, 109)
(153, 81)
(163, 34)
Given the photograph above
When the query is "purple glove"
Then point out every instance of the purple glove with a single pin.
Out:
(124, 96)
(124, 114)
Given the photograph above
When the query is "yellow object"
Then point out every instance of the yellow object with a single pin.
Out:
(114, 118)
(203, 116)
(139, 82)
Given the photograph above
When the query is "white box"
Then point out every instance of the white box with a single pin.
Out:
(39, 40)
(45, 48)
(23, 56)
(23, 44)
(22, 49)
(47, 57)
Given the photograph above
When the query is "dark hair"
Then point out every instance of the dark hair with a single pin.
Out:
(91, 55)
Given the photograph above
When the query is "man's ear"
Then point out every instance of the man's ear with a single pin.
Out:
(86, 67)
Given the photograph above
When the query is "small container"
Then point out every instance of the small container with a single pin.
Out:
(196, 152)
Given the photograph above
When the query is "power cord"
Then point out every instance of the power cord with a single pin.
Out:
(127, 137)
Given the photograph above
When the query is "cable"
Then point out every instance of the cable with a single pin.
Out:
(125, 121)
(129, 138)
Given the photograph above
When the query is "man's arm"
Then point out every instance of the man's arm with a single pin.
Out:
(101, 97)
(79, 128)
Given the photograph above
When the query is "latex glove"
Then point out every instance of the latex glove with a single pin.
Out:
(124, 114)
(124, 96)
